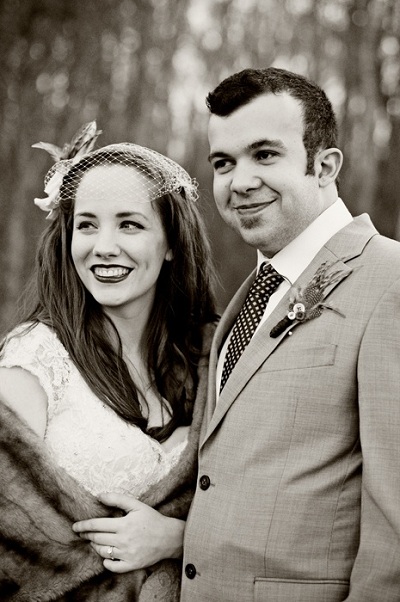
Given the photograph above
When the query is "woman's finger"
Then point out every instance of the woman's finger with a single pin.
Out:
(115, 564)
(103, 525)
(107, 552)
(117, 567)
(120, 500)
(101, 539)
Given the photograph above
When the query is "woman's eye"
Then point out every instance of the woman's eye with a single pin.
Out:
(131, 226)
(85, 226)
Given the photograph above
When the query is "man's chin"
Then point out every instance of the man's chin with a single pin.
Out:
(249, 223)
(252, 235)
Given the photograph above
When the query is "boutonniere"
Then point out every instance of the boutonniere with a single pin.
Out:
(307, 302)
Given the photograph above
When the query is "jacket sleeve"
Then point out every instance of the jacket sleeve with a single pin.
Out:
(376, 571)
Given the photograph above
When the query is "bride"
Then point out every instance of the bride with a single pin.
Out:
(108, 369)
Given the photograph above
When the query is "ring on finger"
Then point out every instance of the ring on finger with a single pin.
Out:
(110, 552)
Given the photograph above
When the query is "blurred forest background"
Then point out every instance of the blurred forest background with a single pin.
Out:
(142, 69)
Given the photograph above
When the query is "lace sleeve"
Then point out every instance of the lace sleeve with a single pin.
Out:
(39, 351)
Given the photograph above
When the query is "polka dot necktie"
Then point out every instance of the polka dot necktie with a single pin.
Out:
(266, 282)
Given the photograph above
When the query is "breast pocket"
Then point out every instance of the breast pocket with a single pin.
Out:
(300, 357)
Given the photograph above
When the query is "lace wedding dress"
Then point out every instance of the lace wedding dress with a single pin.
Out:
(84, 436)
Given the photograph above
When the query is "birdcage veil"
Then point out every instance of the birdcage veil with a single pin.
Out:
(160, 175)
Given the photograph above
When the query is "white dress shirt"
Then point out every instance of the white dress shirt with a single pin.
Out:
(293, 259)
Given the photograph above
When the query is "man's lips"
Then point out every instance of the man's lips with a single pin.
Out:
(248, 209)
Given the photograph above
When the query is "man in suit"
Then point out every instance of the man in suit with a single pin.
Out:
(298, 496)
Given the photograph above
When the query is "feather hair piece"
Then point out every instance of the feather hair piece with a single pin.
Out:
(82, 143)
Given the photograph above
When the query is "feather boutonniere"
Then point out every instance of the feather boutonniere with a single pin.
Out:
(307, 302)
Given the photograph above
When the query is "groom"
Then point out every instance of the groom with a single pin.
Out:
(298, 496)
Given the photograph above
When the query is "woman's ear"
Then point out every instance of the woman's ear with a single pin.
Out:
(328, 164)
(169, 255)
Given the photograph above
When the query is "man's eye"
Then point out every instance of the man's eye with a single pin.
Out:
(265, 155)
(222, 165)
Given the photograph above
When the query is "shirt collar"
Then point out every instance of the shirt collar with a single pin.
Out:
(293, 259)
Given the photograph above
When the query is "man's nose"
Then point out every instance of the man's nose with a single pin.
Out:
(244, 178)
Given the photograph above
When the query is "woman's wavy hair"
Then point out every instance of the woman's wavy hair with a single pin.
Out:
(184, 303)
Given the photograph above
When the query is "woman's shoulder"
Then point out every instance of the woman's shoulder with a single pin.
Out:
(33, 338)
(30, 329)
(36, 348)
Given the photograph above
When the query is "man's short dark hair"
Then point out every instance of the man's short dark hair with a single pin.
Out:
(320, 127)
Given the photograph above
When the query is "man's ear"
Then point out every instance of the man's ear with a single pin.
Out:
(327, 165)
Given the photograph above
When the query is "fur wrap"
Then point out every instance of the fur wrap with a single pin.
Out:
(41, 558)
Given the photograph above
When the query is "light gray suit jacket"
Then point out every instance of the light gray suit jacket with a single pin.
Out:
(299, 467)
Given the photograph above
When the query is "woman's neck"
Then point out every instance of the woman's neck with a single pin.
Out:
(131, 330)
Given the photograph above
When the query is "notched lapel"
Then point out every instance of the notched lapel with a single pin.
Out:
(224, 326)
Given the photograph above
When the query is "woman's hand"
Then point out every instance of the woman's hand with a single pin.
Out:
(137, 540)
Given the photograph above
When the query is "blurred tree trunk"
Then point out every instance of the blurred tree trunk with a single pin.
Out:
(387, 206)
(387, 218)
(17, 114)
(361, 82)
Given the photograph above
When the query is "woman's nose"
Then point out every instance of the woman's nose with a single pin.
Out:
(105, 245)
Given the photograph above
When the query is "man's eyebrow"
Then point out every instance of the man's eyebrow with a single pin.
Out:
(218, 154)
(266, 142)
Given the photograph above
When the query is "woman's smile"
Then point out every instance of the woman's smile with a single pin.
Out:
(111, 273)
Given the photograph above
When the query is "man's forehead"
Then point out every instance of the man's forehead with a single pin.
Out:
(267, 117)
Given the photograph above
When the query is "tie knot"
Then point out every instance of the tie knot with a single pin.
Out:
(266, 268)
(267, 278)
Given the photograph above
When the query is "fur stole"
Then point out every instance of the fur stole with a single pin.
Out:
(41, 558)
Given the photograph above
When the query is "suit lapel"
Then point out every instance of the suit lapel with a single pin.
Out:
(223, 328)
(341, 248)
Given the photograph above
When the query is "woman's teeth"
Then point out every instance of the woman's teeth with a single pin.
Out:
(111, 272)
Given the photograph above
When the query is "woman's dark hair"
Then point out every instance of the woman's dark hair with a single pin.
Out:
(237, 90)
(183, 304)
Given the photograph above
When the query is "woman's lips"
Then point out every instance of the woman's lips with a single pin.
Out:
(110, 274)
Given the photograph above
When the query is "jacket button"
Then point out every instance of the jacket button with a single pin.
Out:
(204, 482)
(190, 571)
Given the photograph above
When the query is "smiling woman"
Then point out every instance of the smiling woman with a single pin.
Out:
(109, 369)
